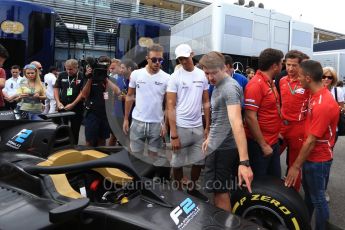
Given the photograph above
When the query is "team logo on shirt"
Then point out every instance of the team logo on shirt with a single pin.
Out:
(140, 82)
(158, 83)
(300, 91)
(199, 83)
(250, 100)
(184, 85)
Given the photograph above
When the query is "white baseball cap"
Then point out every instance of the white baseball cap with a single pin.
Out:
(183, 50)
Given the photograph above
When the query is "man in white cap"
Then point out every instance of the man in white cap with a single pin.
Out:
(187, 93)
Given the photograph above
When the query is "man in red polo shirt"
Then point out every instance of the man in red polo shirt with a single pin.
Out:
(316, 153)
(3, 57)
(294, 102)
(262, 115)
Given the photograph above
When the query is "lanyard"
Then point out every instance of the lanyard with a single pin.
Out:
(292, 91)
(272, 87)
(70, 82)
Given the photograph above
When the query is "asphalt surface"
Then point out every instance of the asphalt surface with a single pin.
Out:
(336, 186)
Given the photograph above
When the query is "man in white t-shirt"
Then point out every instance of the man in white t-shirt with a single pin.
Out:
(187, 93)
(49, 82)
(149, 86)
(11, 86)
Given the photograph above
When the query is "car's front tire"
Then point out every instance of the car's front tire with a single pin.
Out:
(272, 205)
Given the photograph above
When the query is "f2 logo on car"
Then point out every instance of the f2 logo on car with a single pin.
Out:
(186, 206)
(22, 135)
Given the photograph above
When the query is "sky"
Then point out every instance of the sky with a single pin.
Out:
(322, 14)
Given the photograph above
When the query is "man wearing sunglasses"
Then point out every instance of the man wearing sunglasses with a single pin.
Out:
(149, 86)
(187, 92)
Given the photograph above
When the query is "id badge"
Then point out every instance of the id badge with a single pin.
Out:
(105, 95)
(69, 92)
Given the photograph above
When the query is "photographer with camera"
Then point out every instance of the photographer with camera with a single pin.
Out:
(97, 129)
(67, 93)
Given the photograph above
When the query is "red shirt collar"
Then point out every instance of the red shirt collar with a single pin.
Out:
(289, 79)
(263, 76)
(319, 92)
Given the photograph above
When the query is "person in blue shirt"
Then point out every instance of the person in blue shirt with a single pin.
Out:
(242, 80)
(121, 79)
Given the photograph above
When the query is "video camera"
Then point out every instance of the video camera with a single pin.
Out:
(99, 69)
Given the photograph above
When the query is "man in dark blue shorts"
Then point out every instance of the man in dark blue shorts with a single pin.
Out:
(97, 129)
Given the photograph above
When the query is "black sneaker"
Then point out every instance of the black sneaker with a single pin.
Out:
(198, 194)
(330, 226)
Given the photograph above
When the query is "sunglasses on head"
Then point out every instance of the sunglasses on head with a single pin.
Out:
(155, 60)
(328, 77)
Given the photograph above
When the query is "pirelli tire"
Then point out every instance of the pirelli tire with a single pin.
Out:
(271, 205)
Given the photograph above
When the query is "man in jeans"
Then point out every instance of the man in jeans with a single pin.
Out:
(315, 156)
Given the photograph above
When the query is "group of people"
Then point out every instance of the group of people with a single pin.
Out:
(25, 92)
(302, 117)
(216, 119)
(71, 90)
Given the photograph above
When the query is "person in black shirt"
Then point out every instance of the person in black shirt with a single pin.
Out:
(67, 93)
(97, 129)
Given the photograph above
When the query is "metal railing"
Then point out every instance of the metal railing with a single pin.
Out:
(91, 25)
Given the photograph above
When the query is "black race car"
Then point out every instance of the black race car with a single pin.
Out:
(47, 182)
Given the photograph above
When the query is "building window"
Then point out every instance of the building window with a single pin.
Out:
(301, 38)
(238, 26)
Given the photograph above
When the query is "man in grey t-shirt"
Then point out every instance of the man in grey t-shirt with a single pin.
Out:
(226, 132)
(226, 92)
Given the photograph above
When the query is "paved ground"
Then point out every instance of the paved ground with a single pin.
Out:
(336, 186)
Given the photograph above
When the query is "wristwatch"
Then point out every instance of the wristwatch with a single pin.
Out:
(173, 138)
(245, 163)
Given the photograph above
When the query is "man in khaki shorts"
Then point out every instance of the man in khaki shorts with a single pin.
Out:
(187, 92)
(148, 85)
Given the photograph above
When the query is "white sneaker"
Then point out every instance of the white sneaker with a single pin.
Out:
(327, 196)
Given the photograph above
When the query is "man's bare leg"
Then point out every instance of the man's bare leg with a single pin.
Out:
(178, 175)
(195, 174)
(222, 200)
